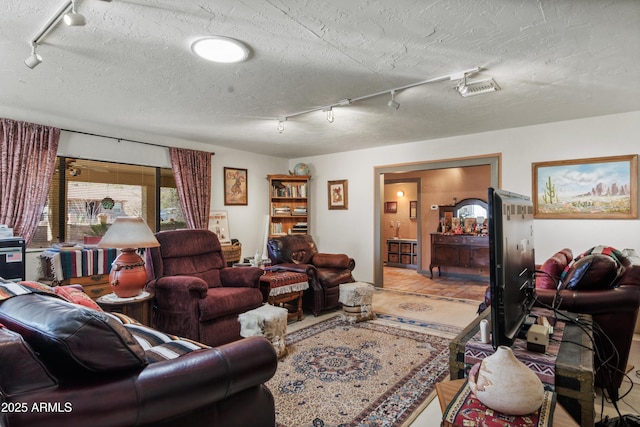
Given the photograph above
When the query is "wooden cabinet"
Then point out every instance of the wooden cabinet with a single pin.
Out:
(455, 250)
(402, 253)
(288, 204)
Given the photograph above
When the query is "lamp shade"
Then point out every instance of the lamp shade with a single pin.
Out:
(129, 232)
(128, 275)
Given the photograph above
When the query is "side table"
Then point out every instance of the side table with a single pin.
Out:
(138, 307)
(447, 390)
(279, 287)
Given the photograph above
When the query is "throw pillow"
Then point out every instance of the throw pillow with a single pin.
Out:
(157, 345)
(592, 272)
(68, 337)
(76, 296)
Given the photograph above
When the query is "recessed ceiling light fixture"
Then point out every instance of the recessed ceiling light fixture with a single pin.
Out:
(220, 49)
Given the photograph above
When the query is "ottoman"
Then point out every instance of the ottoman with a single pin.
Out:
(356, 299)
(267, 321)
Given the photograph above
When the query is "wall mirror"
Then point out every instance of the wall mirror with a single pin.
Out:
(470, 208)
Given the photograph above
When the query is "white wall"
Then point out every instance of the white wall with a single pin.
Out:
(352, 231)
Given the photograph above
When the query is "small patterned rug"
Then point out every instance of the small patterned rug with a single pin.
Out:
(364, 374)
(444, 316)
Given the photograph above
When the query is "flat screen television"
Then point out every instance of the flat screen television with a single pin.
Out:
(512, 263)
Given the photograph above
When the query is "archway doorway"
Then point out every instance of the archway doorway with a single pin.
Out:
(428, 200)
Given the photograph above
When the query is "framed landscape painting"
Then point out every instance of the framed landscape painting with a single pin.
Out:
(596, 188)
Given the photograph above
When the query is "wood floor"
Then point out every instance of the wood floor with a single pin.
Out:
(408, 280)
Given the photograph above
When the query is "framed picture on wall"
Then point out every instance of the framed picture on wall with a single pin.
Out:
(595, 188)
(235, 186)
(390, 207)
(413, 209)
(338, 194)
(219, 224)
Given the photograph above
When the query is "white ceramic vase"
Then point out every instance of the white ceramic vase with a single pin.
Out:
(505, 384)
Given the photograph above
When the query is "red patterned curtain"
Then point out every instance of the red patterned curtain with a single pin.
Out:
(192, 172)
(27, 163)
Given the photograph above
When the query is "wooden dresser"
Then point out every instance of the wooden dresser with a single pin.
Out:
(459, 250)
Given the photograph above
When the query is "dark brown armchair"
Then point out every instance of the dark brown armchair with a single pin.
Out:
(196, 295)
(326, 272)
(606, 286)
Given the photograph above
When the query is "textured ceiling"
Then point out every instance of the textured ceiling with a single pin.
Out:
(129, 73)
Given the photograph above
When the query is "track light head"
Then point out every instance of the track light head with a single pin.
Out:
(34, 59)
(281, 125)
(73, 18)
(329, 111)
(393, 104)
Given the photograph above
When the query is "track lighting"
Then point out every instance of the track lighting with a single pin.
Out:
(73, 18)
(34, 59)
(281, 125)
(393, 104)
(463, 87)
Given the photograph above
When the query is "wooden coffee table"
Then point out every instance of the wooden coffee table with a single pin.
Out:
(280, 287)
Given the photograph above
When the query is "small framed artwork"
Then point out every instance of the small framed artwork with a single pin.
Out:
(338, 194)
(413, 209)
(219, 224)
(390, 207)
(235, 186)
(596, 188)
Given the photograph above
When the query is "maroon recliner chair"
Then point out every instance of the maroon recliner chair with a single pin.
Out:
(604, 285)
(196, 295)
(298, 252)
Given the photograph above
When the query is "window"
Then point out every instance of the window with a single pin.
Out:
(86, 196)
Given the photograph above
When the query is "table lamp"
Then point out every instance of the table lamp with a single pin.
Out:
(128, 275)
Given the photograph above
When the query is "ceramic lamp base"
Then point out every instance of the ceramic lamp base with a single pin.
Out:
(128, 276)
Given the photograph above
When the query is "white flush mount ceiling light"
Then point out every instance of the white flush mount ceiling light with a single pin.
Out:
(220, 49)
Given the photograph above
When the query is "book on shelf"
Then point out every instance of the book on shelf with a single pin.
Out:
(299, 210)
(286, 189)
(281, 210)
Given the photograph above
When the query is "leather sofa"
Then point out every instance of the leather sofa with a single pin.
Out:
(62, 364)
(604, 283)
(298, 252)
(196, 295)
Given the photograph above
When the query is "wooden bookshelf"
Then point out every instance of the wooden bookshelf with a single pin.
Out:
(288, 204)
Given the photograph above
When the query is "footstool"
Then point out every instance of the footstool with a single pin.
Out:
(357, 299)
(266, 321)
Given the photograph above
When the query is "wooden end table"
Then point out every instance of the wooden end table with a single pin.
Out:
(280, 287)
(447, 390)
(138, 307)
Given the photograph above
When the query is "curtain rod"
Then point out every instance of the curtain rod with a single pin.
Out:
(122, 139)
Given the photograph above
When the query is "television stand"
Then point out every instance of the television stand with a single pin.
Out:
(574, 371)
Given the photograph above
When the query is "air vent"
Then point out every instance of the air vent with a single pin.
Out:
(477, 88)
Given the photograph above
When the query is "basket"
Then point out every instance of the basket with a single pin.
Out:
(232, 252)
